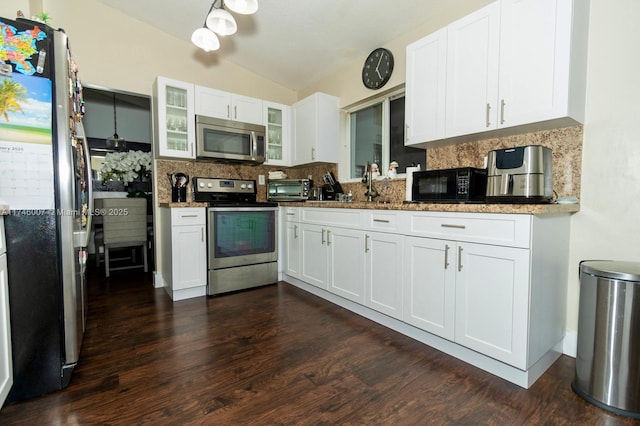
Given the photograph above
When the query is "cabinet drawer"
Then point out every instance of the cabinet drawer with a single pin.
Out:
(500, 229)
(385, 220)
(332, 217)
(188, 216)
(291, 214)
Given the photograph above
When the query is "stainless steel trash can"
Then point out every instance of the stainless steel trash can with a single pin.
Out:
(608, 353)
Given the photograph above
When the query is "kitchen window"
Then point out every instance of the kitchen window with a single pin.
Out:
(376, 135)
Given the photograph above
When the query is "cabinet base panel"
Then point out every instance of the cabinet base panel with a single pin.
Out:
(187, 293)
(514, 375)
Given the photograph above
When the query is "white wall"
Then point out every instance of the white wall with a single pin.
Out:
(115, 51)
(608, 224)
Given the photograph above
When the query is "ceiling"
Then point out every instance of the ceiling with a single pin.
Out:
(293, 42)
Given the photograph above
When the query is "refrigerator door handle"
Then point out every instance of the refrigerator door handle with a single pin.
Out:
(81, 238)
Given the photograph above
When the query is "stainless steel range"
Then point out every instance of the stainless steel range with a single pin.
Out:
(242, 235)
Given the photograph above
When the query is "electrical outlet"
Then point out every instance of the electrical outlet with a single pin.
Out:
(260, 179)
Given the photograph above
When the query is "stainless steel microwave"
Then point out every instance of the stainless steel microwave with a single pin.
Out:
(229, 141)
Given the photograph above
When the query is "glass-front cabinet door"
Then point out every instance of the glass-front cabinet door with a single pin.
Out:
(276, 119)
(175, 118)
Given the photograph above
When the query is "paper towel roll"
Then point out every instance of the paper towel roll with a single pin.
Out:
(409, 182)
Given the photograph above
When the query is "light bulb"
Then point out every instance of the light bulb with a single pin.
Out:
(243, 7)
(205, 39)
(221, 22)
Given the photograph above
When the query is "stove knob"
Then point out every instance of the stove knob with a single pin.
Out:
(243, 186)
(201, 184)
(250, 186)
(209, 185)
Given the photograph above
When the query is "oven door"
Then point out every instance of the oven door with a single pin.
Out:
(239, 236)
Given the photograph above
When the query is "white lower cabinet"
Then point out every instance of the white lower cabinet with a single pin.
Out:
(184, 248)
(346, 263)
(487, 288)
(333, 259)
(313, 265)
(492, 301)
(383, 273)
(473, 294)
(292, 248)
(430, 285)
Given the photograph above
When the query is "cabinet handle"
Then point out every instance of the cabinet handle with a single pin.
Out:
(290, 214)
(459, 258)
(202, 234)
(366, 243)
(313, 153)
(406, 132)
(235, 112)
(328, 237)
(502, 111)
(448, 225)
(323, 240)
(295, 231)
(191, 145)
(188, 215)
(381, 220)
(446, 256)
(487, 117)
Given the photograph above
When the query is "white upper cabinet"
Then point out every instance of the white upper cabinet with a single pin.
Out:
(425, 88)
(175, 120)
(539, 77)
(276, 119)
(514, 65)
(228, 106)
(472, 72)
(316, 123)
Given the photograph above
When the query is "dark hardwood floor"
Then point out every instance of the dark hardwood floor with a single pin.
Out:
(277, 355)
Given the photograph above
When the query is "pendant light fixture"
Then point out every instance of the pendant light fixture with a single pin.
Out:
(115, 142)
(222, 22)
(204, 38)
(243, 7)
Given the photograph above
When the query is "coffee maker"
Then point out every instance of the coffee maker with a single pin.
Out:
(520, 175)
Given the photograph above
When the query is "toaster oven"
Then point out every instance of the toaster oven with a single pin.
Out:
(288, 190)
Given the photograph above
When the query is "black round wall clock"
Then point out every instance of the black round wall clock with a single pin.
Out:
(377, 68)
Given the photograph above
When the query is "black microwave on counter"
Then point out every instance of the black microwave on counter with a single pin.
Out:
(460, 185)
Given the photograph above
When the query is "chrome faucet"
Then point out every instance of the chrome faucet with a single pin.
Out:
(368, 179)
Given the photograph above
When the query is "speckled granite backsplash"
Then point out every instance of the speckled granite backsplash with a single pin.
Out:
(566, 144)
(230, 171)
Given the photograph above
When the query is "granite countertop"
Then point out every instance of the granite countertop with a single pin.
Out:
(536, 209)
(184, 204)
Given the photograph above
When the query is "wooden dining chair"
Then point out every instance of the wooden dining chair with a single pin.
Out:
(124, 224)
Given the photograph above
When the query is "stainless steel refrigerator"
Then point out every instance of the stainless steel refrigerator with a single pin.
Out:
(46, 180)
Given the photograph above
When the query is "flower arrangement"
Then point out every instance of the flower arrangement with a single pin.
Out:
(127, 166)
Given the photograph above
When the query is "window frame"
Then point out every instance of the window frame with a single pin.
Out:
(385, 100)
